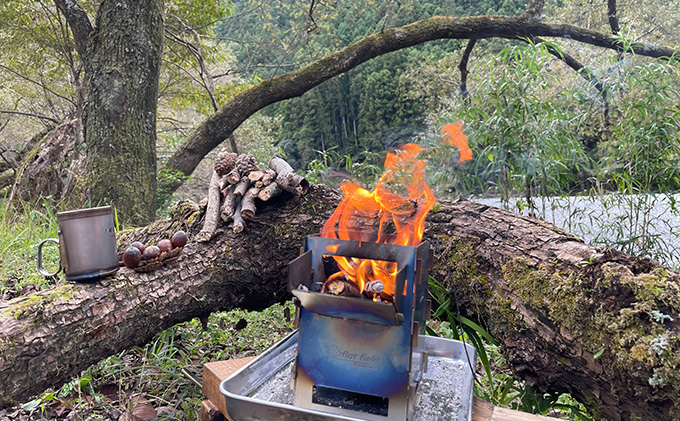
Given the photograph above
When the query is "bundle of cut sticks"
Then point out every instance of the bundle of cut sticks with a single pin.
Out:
(238, 183)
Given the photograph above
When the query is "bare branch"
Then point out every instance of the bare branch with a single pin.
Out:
(80, 24)
(462, 66)
(387, 15)
(195, 49)
(613, 18)
(36, 116)
(40, 84)
(310, 14)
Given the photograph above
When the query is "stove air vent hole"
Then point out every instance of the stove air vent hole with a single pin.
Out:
(368, 404)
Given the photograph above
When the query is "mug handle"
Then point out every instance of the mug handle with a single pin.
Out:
(41, 269)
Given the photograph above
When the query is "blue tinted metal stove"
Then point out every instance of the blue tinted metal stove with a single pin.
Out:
(358, 357)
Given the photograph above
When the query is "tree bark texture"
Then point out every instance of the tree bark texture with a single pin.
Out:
(122, 62)
(219, 126)
(552, 301)
(40, 175)
(12, 162)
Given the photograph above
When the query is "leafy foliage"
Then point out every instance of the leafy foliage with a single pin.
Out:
(346, 112)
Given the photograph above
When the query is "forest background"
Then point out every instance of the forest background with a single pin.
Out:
(537, 128)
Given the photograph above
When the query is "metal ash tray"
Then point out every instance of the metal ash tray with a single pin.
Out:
(262, 389)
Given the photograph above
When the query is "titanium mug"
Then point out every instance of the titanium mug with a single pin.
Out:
(87, 244)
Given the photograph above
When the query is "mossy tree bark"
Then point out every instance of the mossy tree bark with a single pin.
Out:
(122, 58)
(574, 318)
(552, 301)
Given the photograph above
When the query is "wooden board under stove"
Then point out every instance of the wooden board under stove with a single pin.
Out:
(215, 407)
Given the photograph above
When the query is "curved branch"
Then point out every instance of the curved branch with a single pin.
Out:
(462, 66)
(220, 125)
(576, 65)
(32, 115)
(79, 22)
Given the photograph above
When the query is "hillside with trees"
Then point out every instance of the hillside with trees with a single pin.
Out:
(367, 108)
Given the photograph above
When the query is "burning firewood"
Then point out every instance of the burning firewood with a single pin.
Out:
(212, 211)
(286, 177)
(373, 287)
(340, 286)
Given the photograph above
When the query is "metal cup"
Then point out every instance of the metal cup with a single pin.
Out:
(87, 244)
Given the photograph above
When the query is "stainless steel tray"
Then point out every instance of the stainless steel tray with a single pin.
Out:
(241, 392)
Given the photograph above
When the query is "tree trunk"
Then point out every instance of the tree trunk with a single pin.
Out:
(40, 175)
(122, 56)
(574, 318)
(553, 302)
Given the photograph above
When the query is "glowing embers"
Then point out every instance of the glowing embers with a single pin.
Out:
(359, 278)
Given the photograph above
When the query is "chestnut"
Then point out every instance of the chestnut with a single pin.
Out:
(132, 257)
(139, 245)
(152, 252)
(179, 239)
(165, 245)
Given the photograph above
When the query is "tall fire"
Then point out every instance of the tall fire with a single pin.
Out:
(393, 213)
(367, 359)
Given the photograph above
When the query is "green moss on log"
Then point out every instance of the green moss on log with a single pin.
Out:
(458, 263)
(33, 305)
(610, 308)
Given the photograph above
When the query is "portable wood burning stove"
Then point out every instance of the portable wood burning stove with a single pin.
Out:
(359, 357)
(356, 359)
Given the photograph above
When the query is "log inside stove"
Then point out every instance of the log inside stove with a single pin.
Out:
(340, 284)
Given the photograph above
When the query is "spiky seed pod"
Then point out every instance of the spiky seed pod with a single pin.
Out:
(245, 163)
(224, 162)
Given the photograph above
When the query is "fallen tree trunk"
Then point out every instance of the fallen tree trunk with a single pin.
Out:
(553, 302)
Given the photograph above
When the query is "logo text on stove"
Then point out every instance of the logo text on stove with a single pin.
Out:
(357, 359)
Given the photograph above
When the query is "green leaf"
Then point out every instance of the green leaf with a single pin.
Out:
(480, 330)
(31, 405)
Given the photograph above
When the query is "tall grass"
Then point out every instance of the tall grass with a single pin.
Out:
(21, 230)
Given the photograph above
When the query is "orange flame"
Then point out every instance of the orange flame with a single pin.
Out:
(393, 213)
(453, 135)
